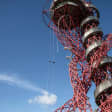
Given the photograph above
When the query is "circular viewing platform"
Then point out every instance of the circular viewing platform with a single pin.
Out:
(68, 13)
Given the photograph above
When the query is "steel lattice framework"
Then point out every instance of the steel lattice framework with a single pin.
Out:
(75, 23)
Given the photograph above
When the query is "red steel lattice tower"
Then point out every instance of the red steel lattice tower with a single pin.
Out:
(75, 23)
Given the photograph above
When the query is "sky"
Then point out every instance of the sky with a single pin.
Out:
(28, 82)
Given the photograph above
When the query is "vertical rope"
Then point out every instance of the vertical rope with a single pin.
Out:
(57, 47)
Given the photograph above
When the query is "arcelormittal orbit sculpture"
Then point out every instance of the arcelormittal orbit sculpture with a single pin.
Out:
(75, 23)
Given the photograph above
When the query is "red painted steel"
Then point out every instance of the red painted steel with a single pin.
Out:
(81, 71)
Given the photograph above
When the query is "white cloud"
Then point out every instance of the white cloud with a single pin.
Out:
(30, 101)
(46, 97)
(9, 79)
